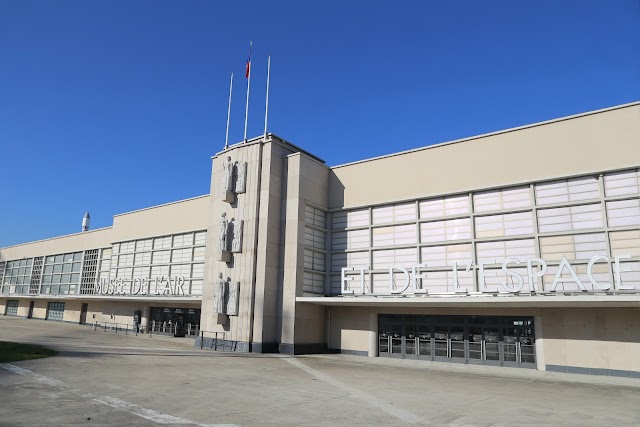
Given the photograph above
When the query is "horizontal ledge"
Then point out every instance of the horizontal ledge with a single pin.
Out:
(479, 301)
(103, 297)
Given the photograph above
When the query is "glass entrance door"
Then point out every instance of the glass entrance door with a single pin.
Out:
(486, 340)
(390, 339)
(519, 343)
(475, 344)
(425, 342)
(410, 336)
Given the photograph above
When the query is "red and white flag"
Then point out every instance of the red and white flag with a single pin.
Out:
(248, 66)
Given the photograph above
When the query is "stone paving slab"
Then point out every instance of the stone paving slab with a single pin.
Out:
(112, 379)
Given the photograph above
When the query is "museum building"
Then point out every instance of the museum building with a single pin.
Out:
(518, 248)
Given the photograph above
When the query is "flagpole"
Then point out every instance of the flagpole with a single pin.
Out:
(266, 108)
(226, 140)
(246, 111)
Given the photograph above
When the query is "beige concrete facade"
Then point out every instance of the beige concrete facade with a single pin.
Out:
(578, 145)
(172, 218)
(296, 217)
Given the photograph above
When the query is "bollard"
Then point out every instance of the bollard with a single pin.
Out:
(126, 329)
(105, 326)
(201, 339)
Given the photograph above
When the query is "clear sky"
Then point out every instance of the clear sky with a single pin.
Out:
(112, 106)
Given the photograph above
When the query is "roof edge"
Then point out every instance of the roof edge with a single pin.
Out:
(162, 205)
(270, 137)
(499, 132)
(58, 237)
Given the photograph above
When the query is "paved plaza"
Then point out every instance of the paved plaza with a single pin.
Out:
(102, 378)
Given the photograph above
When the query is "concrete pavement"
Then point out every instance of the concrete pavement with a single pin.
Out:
(103, 378)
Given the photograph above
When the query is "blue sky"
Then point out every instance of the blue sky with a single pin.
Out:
(112, 106)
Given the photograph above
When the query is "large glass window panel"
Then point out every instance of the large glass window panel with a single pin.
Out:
(443, 256)
(198, 254)
(394, 213)
(181, 270)
(623, 213)
(181, 255)
(314, 238)
(487, 201)
(600, 273)
(495, 277)
(629, 274)
(625, 243)
(353, 285)
(622, 183)
(313, 283)
(315, 216)
(357, 239)
(452, 229)
(510, 198)
(575, 247)
(570, 218)
(446, 206)
(126, 247)
(158, 271)
(501, 250)
(339, 240)
(356, 218)
(313, 260)
(400, 257)
(160, 257)
(142, 258)
(180, 240)
(504, 225)
(141, 272)
(443, 281)
(196, 287)
(144, 245)
(162, 242)
(125, 260)
(350, 259)
(567, 190)
(200, 238)
(516, 198)
(394, 236)
(197, 270)
(124, 273)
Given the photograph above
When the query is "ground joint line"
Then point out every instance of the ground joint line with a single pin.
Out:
(149, 414)
(390, 409)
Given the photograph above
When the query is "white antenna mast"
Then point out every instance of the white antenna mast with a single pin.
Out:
(266, 108)
(226, 140)
(248, 76)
